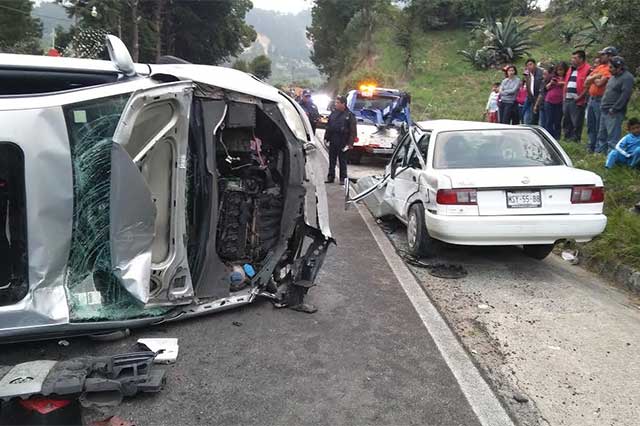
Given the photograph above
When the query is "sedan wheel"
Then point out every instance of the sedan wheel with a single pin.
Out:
(420, 242)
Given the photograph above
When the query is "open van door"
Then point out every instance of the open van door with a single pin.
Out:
(148, 195)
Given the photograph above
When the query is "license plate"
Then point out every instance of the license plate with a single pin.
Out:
(523, 199)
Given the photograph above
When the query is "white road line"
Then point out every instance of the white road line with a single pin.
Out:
(483, 401)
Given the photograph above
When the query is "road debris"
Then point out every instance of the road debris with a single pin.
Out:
(166, 349)
(483, 306)
(520, 398)
(439, 270)
(112, 421)
(64, 343)
(570, 256)
(237, 323)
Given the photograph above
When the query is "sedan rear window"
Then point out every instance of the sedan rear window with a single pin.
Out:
(476, 149)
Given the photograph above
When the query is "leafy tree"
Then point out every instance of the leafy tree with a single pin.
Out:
(624, 22)
(329, 19)
(241, 65)
(260, 66)
(403, 36)
(19, 32)
(207, 32)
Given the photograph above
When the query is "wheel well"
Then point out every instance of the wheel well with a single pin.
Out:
(411, 205)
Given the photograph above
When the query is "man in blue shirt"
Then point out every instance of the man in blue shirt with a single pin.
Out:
(627, 150)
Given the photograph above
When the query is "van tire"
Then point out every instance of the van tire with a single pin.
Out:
(420, 243)
(538, 251)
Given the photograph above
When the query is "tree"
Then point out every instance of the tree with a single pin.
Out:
(240, 65)
(260, 66)
(207, 32)
(623, 24)
(329, 19)
(19, 32)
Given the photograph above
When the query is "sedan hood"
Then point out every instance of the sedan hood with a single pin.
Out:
(520, 176)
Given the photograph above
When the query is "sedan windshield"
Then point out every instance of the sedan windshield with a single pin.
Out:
(493, 148)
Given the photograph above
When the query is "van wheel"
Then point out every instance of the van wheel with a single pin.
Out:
(421, 244)
(538, 251)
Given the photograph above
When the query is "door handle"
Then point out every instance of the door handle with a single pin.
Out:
(413, 178)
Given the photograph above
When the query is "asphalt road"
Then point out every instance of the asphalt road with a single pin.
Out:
(364, 358)
(559, 344)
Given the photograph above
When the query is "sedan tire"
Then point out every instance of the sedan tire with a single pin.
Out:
(420, 243)
(538, 251)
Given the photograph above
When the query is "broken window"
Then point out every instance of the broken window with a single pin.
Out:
(14, 279)
(90, 281)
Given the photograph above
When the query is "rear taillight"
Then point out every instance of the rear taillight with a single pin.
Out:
(44, 405)
(467, 197)
(587, 194)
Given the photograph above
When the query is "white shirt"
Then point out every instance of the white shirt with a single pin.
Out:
(492, 103)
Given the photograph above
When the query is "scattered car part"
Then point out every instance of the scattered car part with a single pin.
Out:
(95, 381)
(112, 421)
(166, 349)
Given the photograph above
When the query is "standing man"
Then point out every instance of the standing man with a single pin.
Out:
(597, 83)
(310, 108)
(614, 104)
(575, 96)
(341, 133)
(534, 82)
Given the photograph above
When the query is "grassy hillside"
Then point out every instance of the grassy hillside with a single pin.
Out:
(442, 85)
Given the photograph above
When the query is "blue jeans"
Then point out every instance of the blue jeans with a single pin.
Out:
(610, 131)
(593, 123)
(529, 116)
(553, 119)
(573, 120)
(615, 157)
(542, 111)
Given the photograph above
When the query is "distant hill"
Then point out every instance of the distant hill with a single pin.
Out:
(283, 37)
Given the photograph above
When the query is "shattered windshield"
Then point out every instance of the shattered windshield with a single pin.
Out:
(374, 102)
(493, 148)
(92, 288)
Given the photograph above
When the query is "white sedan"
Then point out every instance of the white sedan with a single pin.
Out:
(473, 183)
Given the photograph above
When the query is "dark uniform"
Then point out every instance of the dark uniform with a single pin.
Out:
(312, 112)
(341, 131)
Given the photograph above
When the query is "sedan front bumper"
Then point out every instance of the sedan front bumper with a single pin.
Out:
(514, 230)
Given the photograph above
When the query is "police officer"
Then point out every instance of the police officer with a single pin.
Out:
(340, 133)
(310, 108)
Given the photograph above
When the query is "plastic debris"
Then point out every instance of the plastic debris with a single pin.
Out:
(570, 256)
(440, 270)
(483, 306)
(63, 343)
(166, 349)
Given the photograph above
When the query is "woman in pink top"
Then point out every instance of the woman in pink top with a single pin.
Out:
(553, 100)
(521, 98)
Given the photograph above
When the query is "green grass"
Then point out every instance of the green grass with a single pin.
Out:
(443, 85)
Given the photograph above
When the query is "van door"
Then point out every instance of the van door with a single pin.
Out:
(148, 201)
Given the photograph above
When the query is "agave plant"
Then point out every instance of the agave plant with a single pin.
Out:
(594, 33)
(508, 40)
(480, 58)
(502, 41)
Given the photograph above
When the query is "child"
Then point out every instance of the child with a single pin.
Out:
(492, 104)
(627, 151)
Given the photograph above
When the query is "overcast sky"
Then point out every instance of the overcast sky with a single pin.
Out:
(284, 6)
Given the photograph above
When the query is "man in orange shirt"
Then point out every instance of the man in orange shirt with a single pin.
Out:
(597, 83)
